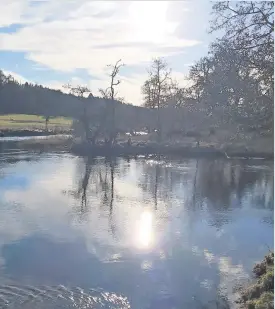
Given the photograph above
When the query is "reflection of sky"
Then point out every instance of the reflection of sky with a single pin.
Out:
(14, 181)
(138, 251)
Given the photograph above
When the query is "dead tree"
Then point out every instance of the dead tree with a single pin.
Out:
(111, 94)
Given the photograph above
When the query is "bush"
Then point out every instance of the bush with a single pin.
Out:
(261, 294)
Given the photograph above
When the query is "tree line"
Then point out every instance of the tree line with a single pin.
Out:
(80, 104)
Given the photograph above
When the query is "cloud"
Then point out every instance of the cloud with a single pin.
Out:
(69, 35)
(11, 11)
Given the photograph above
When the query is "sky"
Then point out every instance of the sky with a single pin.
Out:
(53, 42)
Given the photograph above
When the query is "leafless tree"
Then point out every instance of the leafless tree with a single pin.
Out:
(81, 91)
(157, 87)
(249, 26)
(148, 90)
(78, 90)
(111, 94)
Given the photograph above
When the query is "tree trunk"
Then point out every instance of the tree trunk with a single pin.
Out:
(46, 124)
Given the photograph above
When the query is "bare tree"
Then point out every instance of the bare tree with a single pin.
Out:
(111, 94)
(148, 90)
(249, 26)
(81, 91)
(158, 86)
(249, 22)
(78, 90)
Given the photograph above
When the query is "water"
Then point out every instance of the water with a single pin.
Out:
(137, 233)
(26, 138)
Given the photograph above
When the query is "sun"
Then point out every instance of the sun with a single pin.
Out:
(148, 20)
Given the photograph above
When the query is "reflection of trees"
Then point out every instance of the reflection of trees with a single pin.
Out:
(156, 186)
(159, 181)
(218, 184)
(195, 183)
(83, 181)
(82, 191)
(96, 179)
(219, 181)
(105, 183)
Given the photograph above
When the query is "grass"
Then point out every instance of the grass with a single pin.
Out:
(260, 295)
(30, 122)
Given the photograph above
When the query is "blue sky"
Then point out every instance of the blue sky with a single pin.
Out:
(55, 42)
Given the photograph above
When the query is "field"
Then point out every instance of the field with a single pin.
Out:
(33, 122)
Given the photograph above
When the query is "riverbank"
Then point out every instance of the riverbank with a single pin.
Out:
(67, 143)
(31, 132)
(60, 142)
(178, 149)
(260, 294)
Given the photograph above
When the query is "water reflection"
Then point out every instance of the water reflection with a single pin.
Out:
(145, 230)
(159, 232)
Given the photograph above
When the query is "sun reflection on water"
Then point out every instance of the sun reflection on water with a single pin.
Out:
(145, 235)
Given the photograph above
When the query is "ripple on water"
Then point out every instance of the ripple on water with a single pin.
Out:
(15, 297)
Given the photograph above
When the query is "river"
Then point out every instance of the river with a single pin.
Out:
(129, 233)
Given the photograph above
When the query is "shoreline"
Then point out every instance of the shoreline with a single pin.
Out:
(65, 143)
(31, 132)
(163, 150)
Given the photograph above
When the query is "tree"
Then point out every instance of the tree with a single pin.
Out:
(198, 74)
(111, 94)
(148, 90)
(47, 119)
(80, 92)
(156, 88)
(223, 81)
(249, 26)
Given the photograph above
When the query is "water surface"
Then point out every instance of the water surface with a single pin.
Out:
(129, 233)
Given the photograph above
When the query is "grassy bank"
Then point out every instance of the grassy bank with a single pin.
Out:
(18, 122)
(260, 294)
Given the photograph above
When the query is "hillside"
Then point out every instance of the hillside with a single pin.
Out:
(32, 99)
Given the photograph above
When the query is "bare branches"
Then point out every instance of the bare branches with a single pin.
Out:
(115, 70)
(249, 27)
(81, 91)
(78, 90)
(245, 23)
(111, 94)
(105, 93)
(156, 88)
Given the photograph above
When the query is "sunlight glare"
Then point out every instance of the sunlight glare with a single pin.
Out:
(148, 19)
(145, 230)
